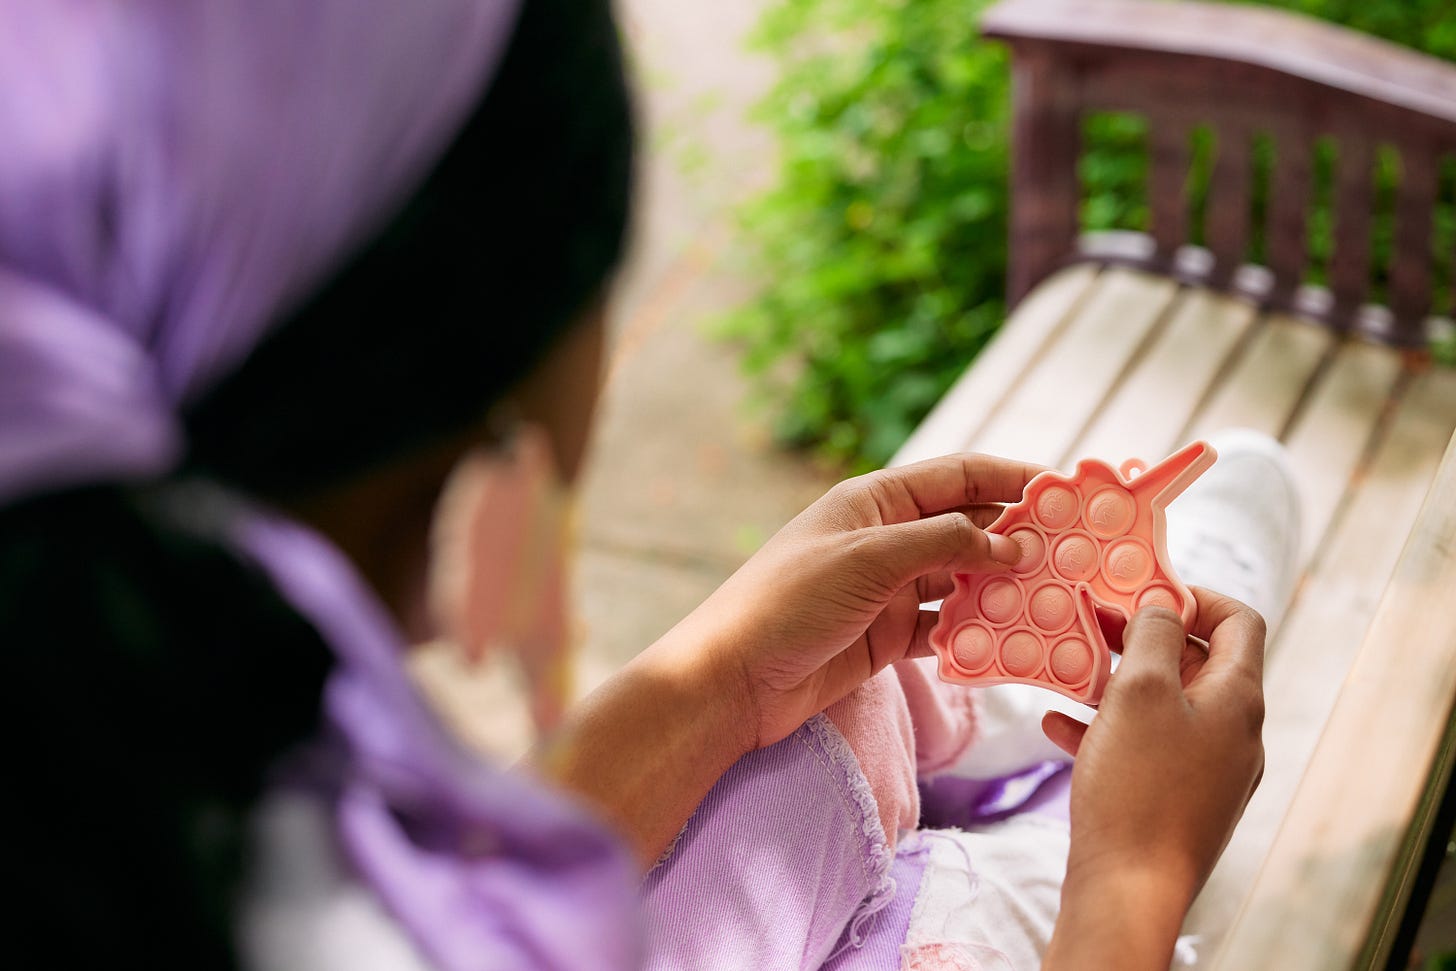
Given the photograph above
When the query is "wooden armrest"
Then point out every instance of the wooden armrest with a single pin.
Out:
(1289, 43)
(1332, 890)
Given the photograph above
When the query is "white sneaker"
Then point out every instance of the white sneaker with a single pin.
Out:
(1236, 529)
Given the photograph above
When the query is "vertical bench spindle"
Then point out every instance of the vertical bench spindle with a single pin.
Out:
(1226, 227)
(1168, 162)
(1044, 196)
(1354, 200)
(1410, 268)
(1290, 187)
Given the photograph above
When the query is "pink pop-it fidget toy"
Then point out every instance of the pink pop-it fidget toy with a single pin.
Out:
(1094, 541)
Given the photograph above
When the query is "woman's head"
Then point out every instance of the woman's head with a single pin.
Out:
(501, 253)
(485, 289)
(301, 254)
(297, 251)
(321, 237)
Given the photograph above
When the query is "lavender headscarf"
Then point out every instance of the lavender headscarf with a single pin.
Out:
(172, 176)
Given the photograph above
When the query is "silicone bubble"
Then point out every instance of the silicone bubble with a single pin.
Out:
(1072, 661)
(1000, 601)
(1056, 505)
(1127, 564)
(973, 648)
(1033, 549)
(1074, 556)
(1158, 596)
(1091, 542)
(1021, 653)
(1052, 609)
(1110, 512)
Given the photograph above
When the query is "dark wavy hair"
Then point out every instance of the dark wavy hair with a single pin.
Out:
(153, 677)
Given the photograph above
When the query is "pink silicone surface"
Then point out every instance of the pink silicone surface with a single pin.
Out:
(1093, 541)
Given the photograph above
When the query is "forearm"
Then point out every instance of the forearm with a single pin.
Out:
(645, 747)
(1126, 920)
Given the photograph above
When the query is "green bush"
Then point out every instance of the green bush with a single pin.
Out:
(883, 240)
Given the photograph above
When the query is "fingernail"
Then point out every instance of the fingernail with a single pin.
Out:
(1004, 549)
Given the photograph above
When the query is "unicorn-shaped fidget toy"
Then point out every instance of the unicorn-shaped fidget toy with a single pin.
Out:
(1095, 541)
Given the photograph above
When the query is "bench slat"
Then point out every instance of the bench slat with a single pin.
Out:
(1268, 381)
(970, 402)
(1044, 415)
(1158, 398)
(1367, 802)
(1334, 431)
(1312, 654)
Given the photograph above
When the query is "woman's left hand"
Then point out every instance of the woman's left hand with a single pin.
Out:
(835, 596)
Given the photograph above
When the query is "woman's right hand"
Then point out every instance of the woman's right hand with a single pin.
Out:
(1162, 775)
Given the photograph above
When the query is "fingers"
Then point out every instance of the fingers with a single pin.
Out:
(902, 552)
(934, 586)
(1235, 634)
(1195, 656)
(1064, 731)
(1215, 609)
(945, 483)
(938, 586)
(925, 622)
(982, 514)
(1155, 645)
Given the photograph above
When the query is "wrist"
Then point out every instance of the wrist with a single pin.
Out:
(711, 685)
(644, 748)
(1122, 916)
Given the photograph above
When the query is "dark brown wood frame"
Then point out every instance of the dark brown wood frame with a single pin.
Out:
(1243, 71)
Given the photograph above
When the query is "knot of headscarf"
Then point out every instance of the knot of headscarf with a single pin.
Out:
(173, 176)
(78, 398)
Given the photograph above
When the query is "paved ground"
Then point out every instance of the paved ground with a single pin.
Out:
(682, 485)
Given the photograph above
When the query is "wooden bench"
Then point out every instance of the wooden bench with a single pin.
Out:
(1128, 345)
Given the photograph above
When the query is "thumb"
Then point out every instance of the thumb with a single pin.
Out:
(948, 542)
(1152, 648)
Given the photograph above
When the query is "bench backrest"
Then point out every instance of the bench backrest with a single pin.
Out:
(1244, 72)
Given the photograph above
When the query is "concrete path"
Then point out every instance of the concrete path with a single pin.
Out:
(681, 486)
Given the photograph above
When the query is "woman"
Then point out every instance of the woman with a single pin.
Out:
(267, 273)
